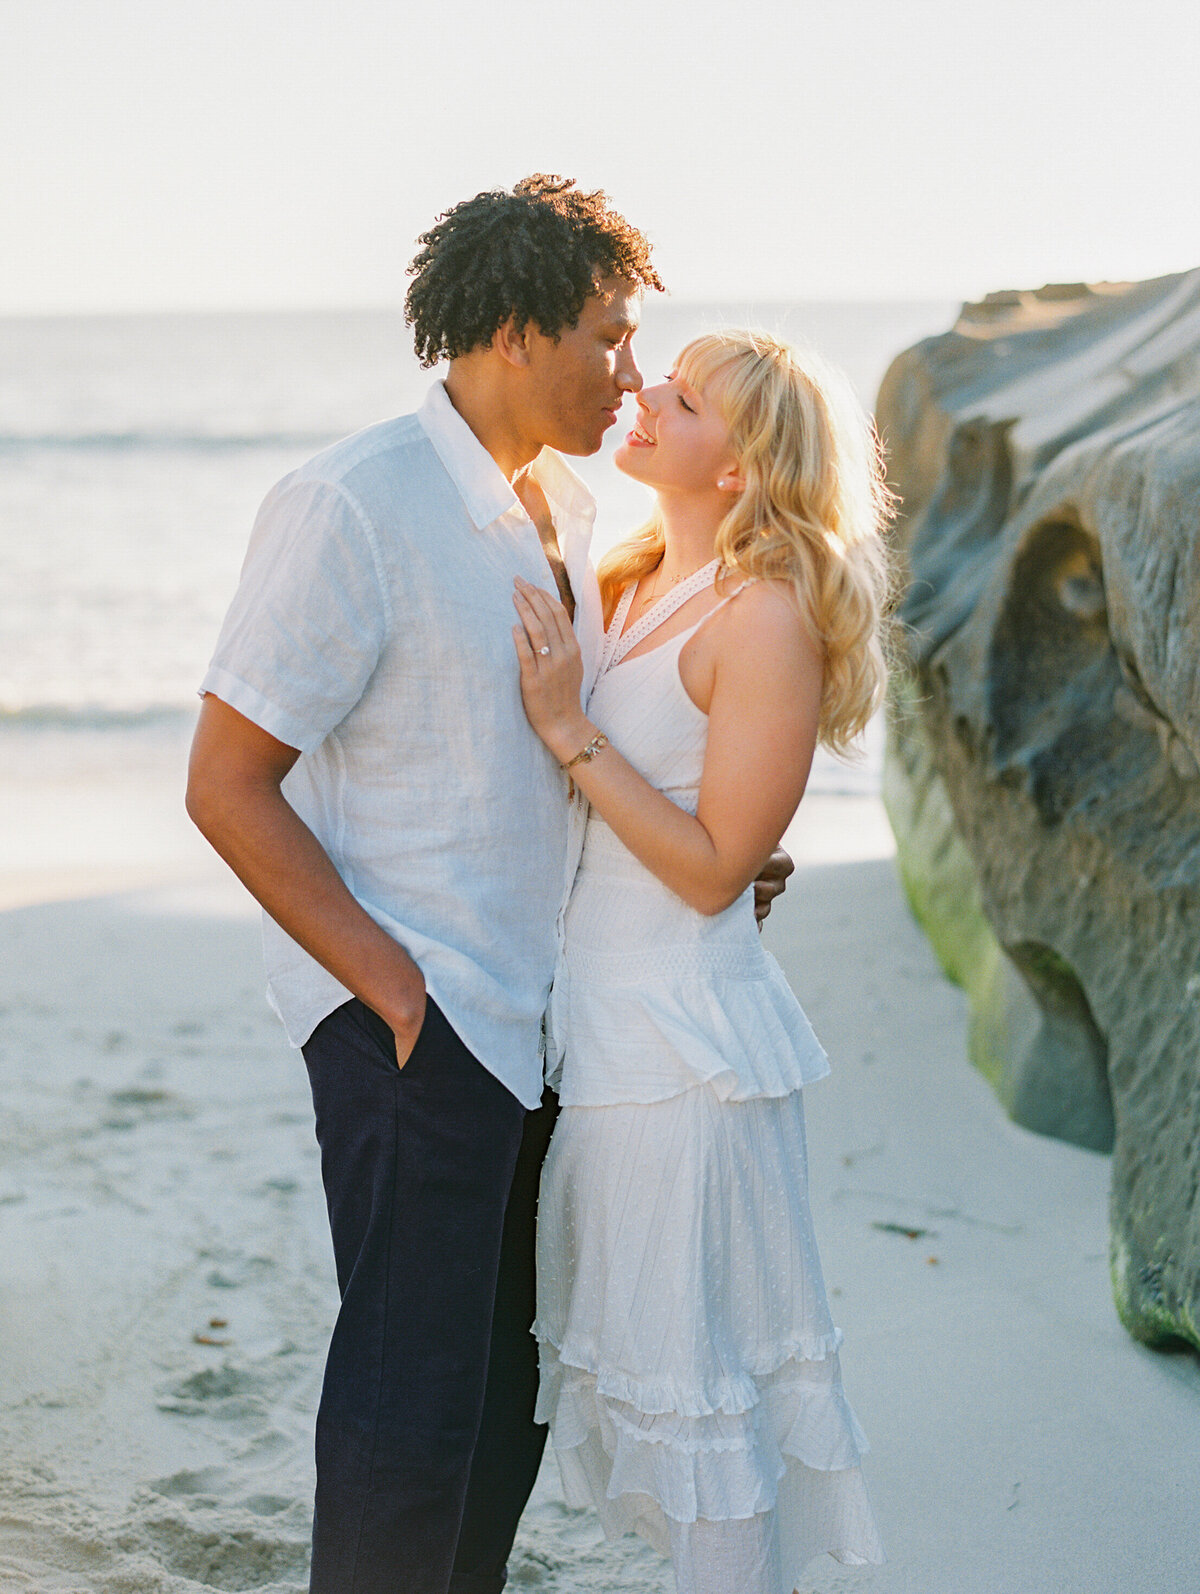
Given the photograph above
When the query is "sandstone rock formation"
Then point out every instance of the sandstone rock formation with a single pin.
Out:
(1043, 772)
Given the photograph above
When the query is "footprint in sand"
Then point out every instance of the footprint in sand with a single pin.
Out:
(138, 1104)
(227, 1551)
(236, 1268)
(228, 1393)
(268, 1505)
(219, 1540)
(211, 1482)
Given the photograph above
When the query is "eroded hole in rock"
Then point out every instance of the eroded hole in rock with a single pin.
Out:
(1062, 1085)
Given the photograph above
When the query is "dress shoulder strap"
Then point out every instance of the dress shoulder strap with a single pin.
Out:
(729, 596)
(616, 645)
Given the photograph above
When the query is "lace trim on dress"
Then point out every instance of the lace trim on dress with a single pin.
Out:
(616, 645)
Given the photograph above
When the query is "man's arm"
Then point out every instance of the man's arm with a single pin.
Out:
(234, 799)
(771, 882)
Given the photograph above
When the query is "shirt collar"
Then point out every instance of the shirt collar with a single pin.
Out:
(484, 489)
(563, 488)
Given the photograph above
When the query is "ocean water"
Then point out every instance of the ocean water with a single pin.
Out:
(134, 451)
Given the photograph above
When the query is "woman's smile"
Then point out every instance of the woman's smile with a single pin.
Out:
(685, 432)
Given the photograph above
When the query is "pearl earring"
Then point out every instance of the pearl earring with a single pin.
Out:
(722, 482)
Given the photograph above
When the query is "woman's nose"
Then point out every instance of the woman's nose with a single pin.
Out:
(649, 397)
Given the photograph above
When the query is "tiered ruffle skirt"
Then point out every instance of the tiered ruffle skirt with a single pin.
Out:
(689, 1362)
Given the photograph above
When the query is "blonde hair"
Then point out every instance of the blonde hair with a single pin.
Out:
(812, 512)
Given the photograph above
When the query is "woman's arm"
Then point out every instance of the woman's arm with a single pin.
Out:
(763, 712)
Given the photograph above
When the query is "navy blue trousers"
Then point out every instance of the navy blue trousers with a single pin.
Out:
(426, 1445)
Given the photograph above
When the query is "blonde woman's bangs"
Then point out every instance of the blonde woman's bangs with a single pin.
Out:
(701, 360)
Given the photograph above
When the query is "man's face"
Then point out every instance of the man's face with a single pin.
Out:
(576, 384)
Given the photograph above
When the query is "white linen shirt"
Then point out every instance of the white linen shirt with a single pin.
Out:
(372, 630)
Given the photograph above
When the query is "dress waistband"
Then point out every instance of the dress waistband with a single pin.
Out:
(604, 851)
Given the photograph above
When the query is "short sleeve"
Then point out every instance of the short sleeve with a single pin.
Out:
(309, 619)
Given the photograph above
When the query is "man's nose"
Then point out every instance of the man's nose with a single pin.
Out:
(629, 378)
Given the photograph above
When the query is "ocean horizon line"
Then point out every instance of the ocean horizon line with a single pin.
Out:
(94, 716)
(299, 312)
(140, 438)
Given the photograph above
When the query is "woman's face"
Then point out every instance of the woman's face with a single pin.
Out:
(680, 441)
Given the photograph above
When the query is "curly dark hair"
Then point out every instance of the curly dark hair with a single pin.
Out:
(532, 255)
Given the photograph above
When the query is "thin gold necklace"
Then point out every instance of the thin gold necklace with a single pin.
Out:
(653, 597)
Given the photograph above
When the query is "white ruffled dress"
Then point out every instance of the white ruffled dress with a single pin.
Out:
(689, 1362)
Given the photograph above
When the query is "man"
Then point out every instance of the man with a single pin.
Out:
(363, 763)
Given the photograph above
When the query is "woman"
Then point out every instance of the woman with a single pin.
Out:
(689, 1364)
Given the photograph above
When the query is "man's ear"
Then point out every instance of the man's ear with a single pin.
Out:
(511, 342)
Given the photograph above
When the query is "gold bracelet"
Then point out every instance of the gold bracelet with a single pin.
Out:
(586, 754)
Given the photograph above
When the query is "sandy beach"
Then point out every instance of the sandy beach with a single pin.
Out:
(168, 1286)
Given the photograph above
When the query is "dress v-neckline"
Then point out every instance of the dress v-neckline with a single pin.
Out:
(618, 645)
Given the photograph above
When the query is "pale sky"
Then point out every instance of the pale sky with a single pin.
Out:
(195, 154)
